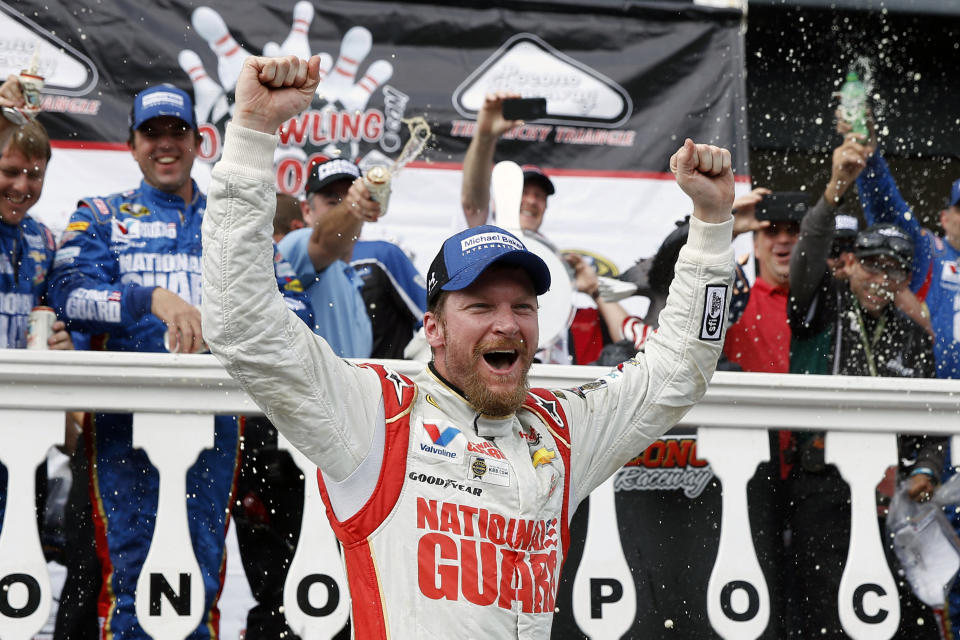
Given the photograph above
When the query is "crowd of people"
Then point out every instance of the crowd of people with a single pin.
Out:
(127, 273)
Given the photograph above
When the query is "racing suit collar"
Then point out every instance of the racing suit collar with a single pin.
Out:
(152, 194)
(453, 402)
(12, 230)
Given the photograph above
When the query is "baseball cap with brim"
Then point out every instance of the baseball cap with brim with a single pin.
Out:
(162, 100)
(955, 194)
(535, 173)
(329, 171)
(885, 240)
(785, 206)
(466, 255)
(846, 226)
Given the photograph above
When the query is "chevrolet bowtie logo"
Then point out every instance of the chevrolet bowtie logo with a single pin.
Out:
(543, 456)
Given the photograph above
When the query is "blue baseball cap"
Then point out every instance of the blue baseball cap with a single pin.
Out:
(466, 255)
(532, 172)
(162, 100)
(954, 194)
(329, 171)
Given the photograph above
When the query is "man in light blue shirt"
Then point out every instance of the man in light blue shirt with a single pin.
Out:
(335, 209)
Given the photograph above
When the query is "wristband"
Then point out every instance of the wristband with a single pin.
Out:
(924, 470)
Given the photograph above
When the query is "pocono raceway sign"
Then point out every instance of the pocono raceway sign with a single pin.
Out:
(605, 143)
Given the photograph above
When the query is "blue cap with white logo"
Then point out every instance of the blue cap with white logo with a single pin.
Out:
(466, 255)
(327, 172)
(162, 100)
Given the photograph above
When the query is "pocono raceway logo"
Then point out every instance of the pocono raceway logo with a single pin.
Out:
(67, 73)
(583, 105)
(475, 554)
(668, 464)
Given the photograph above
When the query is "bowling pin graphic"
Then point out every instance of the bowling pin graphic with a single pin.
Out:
(326, 61)
(209, 99)
(357, 98)
(297, 43)
(354, 48)
(230, 55)
(272, 50)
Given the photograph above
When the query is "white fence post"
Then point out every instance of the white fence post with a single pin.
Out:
(170, 591)
(738, 601)
(25, 596)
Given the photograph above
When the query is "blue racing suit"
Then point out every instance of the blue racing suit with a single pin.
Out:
(26, 255)
(115, 251)
(936, 270)
(935, 280)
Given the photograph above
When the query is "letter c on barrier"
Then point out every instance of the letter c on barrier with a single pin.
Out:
(753, 600)
(303, 595)
(858, 595)
(33, 595)
(597, 599)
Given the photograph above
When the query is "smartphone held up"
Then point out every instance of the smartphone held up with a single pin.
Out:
(524, 108)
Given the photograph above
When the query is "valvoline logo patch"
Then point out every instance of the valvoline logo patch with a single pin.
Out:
(438, 437)
(440, 440)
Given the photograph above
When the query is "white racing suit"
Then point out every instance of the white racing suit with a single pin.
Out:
(453, 524)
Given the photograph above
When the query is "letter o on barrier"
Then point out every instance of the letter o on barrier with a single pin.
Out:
(303, 595)
(753, 600)
(858, 595)
(33, 595)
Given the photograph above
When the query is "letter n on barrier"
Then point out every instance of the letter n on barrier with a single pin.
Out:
(160, 587)
(598, 598)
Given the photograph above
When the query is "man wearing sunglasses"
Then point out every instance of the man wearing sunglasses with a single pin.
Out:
(844, 323)
(759, 338)
(878, 340)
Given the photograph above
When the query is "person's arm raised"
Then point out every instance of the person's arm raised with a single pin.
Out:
(705, 173)
(276, 90)
(478, 161)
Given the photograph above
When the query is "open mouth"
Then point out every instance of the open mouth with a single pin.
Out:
(16, 199)
(166, 160)
(501, 359)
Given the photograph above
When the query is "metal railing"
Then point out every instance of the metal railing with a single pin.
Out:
(173, 399)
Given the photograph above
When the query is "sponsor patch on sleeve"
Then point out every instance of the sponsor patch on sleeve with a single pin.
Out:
(78, 225)
(65, 256)
(714, 307)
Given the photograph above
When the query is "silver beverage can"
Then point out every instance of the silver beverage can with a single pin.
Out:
(40, 327)
(377, 182)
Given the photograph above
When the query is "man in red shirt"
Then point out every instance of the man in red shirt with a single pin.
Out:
(760, 339)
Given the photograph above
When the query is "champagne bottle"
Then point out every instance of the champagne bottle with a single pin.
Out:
(853, 103)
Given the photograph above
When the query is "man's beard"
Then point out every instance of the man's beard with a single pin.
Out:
(479, 393)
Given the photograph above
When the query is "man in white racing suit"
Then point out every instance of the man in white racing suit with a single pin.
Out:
(451, 492)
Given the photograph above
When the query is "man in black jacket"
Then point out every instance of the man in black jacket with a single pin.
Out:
(846, 326)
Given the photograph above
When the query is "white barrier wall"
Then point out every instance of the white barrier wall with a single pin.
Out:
(173, 398)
